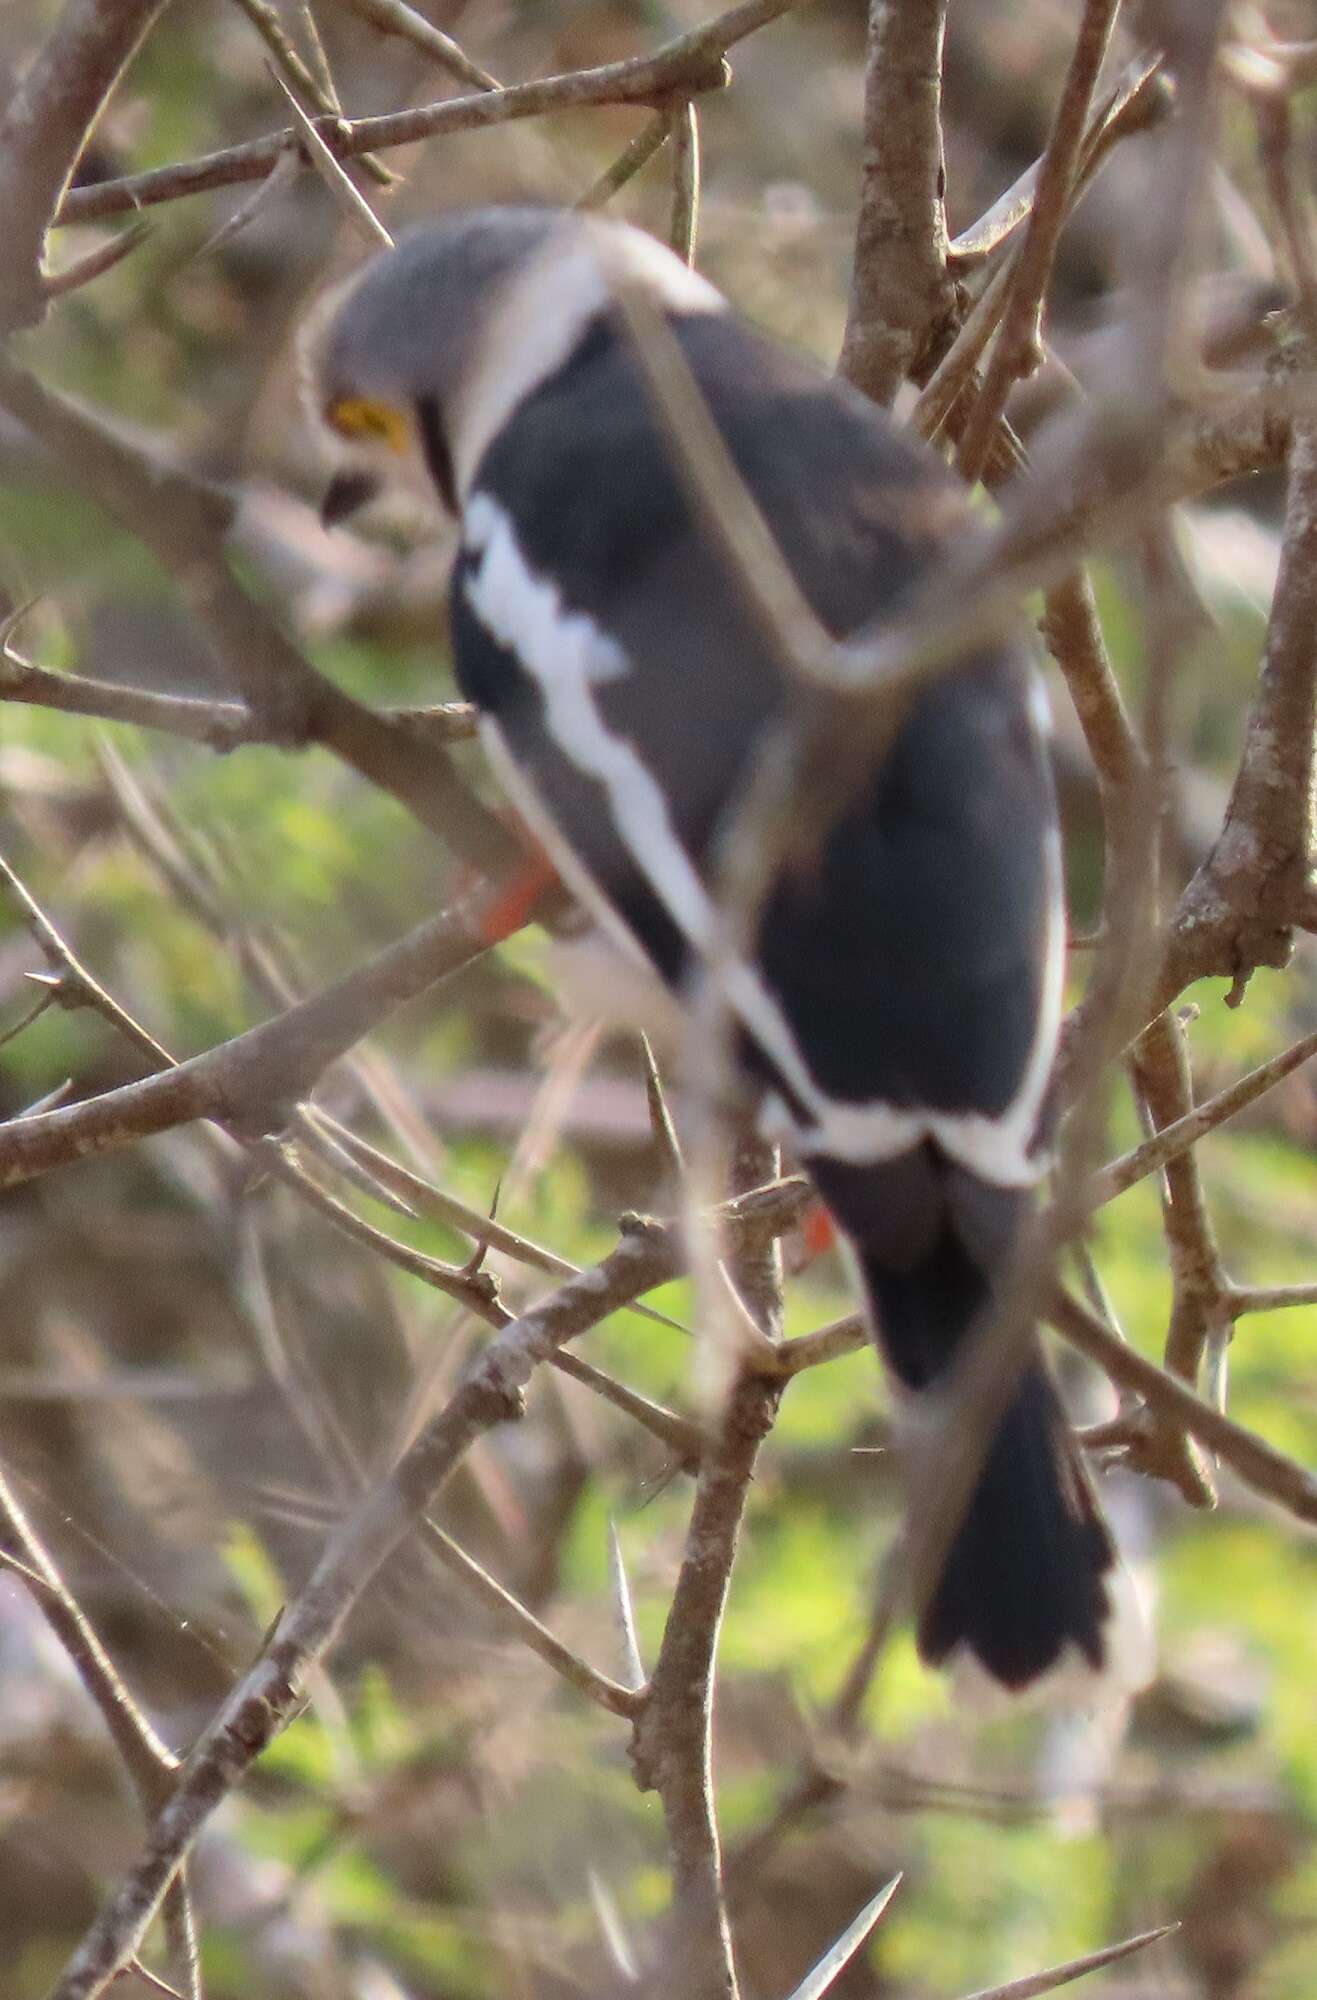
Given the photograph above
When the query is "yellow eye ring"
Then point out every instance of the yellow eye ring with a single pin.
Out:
(359, 417)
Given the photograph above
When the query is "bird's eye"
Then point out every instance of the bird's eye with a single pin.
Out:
(362, 417)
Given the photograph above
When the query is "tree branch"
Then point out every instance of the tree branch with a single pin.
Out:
(688, 66)
(253, 1082)
(672, 1748)
(1154, 1153)
(1019, 343)
(1199, 1320)
(1257, 1463)
(184, 522)
(1240, 908)
(578, 1673)
(903, 301)
(44, 130)
(491, 1393)
(148, 1761)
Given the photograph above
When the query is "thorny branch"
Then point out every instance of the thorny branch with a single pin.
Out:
(184, 523)
(1239, 911)
(672, 1752)
(1241, 907)
(1265, 1469)
(1200, 1321)
(492, 1392)
(45, 127)
(672, 1746)
(692, 64)
(150, 1764)
(1019, 342)
(903, 299)
(254, 1082)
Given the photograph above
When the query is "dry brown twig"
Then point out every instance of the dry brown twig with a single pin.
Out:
(43, 132)
(1019, 342)
(491, 1393)
(299, 80)
(1241, 907)
(1200, 1320)
(184, 524)
(1243, 904)
(903, 300)
(253, 1082)
(672, 1745)
(150, 1764)
(690, 65)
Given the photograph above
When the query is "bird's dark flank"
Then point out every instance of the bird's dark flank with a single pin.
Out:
(897, 1016)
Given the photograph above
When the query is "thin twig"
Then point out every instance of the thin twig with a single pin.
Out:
(682, 1437)
(672, 1747)
(97, 261)
(596, 1687)
(184, 524)
(684, 130)
(1171, 1140)
(1018, 346)
(220, 724)
(691, 64)
(79, 988)
(265, 1698)
(150, 1764)
(1257, 1463)
(148, 1761)
(650, 139)
(1159, 1065)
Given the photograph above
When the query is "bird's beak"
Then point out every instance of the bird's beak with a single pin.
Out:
(345, 494)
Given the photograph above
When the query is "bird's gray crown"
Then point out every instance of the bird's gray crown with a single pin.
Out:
(462, 320)
(404, 327)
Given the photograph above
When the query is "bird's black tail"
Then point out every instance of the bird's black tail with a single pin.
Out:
(1027, 1572)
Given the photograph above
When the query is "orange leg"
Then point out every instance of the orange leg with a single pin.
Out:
(818, 1232)
(513, 903)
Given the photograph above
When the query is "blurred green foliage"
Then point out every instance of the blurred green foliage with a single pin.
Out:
(437, 1807)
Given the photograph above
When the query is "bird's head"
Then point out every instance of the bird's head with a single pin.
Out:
(419, 358)
(385, 355)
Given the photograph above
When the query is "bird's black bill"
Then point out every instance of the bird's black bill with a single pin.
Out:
(437, 455)
(346, 493)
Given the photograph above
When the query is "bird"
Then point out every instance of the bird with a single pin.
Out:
(897, 995)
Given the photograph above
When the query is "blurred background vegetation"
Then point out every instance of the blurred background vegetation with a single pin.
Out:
(197, 1372)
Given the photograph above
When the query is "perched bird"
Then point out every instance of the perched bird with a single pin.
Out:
(897, 1014)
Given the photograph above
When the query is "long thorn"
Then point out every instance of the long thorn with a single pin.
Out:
(839, 1955)
(1035, 1983)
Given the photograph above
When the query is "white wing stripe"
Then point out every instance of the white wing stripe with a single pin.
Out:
(567, 655)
